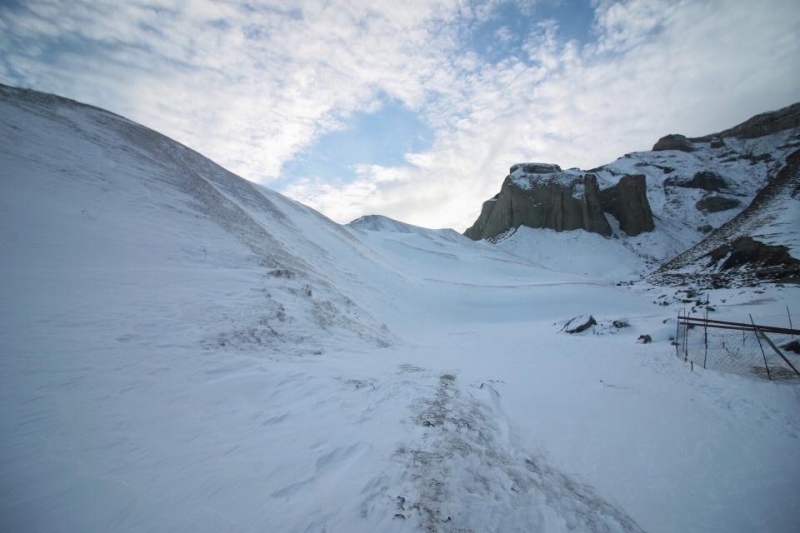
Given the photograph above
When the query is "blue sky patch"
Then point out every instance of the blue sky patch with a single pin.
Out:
(503, 34)
(574, 18)
(379, 138)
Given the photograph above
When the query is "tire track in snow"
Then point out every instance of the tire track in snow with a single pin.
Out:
(466, 475)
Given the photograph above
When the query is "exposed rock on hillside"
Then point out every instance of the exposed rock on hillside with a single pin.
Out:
(748, 252)
(674, 141)
(706, 180)
(579, 324)
(715, 204)
(760, 125)
(541, 195)
(693, 188)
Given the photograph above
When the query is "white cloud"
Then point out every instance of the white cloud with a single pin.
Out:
(708, 66)
(621, 26)
(252, 87)
(250, 92)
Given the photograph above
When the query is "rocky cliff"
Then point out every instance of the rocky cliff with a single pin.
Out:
(541, 195)
(689, 185)
(758, 126)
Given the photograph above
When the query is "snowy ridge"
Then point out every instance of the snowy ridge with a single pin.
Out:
(745, 166)
(386, 224)
(566, 178)
(773, 218)
(181, 350)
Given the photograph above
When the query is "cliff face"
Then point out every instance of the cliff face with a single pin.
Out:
(538, 195)
(627, 202)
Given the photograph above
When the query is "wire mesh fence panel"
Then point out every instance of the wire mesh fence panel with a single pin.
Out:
(746, 351)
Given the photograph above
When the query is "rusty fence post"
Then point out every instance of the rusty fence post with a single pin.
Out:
(764, 355)
(705, 340)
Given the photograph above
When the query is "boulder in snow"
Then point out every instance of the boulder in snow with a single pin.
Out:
(579, 323)
(715, 204)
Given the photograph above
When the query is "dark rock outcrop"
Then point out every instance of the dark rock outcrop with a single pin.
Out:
(748, 252)
(627, 202)
(706, 180)
(593, 207)
(674, 141)
(538, 195)
(715, 204)
(760, 125)
(579, 324)
(541, 201)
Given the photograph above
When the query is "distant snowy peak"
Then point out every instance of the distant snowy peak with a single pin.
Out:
(692, 193)
(380, 223)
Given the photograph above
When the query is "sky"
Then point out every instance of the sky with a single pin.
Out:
(415, 109)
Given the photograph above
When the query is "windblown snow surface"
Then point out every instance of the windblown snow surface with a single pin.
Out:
(181, 350)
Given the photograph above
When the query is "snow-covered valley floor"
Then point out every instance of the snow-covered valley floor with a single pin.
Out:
(183, 351)
(481, 417)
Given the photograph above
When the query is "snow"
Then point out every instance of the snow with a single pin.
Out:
(565, 178)
(678, 221)
(181, 350)
(568, 251)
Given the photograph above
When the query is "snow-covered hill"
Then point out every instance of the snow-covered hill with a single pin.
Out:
(181, 350)
(765, 238)
(744, 165)
(691, 193)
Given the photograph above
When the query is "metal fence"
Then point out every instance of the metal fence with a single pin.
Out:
(759, 348)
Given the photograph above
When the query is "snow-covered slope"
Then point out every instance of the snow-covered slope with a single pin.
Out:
(181, 350)
(771, 219)
(746, 165)
(579, 252)
(90, 194)
(691, 193)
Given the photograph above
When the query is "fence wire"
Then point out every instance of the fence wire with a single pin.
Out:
(742, 352)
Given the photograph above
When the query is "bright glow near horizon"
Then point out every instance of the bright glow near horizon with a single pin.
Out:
(416, 109)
